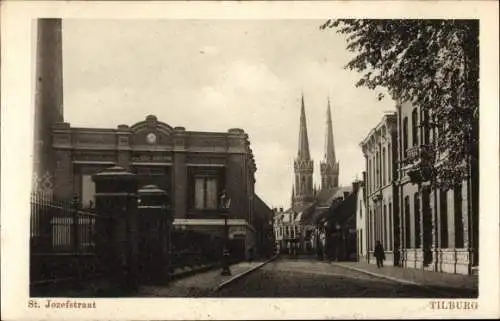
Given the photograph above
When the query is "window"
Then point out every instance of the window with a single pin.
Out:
(407, 222)
(361, 241)
(88, 191)
(369, 175)
(425, 125)
(205, 193)
(389, 165)
(416, 213)
(205, 186)
(360, 209)
(459, 223)
(370, 229)
(385, 228)
(383, 166)
(405, 136)
(414, 126)
(443, 214)
(391, 228)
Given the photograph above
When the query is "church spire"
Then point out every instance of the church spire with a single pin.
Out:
(329, 167)
(303, 152)
(303, 165)
(329, 145)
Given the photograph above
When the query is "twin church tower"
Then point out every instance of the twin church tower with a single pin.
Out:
(303, 192)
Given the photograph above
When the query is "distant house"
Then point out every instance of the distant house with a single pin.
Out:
(336, 226)
(263, 223)
(287, 230)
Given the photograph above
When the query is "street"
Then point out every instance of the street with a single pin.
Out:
(288, 277)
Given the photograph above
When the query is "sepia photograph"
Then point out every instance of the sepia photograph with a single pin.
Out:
(255, 158)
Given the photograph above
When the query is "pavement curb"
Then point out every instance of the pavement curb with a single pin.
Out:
(381, 276)
(238, 276)
(200, 269)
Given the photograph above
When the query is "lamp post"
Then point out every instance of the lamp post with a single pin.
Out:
(225, 202)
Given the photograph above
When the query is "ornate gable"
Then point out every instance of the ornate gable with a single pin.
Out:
(151, 132)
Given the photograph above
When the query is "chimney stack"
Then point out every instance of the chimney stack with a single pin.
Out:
(48, 94)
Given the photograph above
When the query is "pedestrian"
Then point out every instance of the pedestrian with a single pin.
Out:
(379, 254)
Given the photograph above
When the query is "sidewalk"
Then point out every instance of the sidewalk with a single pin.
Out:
(438, 281)
(198, 285)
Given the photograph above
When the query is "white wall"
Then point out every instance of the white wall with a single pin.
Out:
(88, 191)
(361, 228)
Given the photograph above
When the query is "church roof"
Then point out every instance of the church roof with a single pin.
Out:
(310, 213)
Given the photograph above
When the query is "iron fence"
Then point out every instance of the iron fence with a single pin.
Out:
(62, 241)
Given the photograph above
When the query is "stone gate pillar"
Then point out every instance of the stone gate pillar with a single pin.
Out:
(116, 227)
(155, 222)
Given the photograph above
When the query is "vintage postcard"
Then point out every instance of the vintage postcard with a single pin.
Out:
(249, 160)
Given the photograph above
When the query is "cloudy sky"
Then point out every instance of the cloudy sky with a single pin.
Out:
(212, 75)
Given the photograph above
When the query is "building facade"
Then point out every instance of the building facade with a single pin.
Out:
(438, 226)
(287, 231)
(194, 168)
(336, 226)
(380, 150)
(264, 226)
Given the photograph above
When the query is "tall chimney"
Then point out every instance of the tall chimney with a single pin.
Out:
(48, 96)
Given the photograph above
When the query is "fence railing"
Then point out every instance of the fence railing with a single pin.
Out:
(62, 240)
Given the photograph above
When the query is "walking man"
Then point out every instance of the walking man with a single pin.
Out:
(379, 254)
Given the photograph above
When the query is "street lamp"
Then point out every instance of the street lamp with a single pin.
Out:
(225, 202)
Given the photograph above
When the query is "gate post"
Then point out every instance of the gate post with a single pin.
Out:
(154, 229)
(116, 202)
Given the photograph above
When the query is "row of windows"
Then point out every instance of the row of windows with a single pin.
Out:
(421, 132)
(419, 218)
(287, 231)
(381, 226)
(380, 168)
(380, 164)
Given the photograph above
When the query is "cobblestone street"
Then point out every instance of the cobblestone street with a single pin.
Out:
(310, 278)
(198, 285)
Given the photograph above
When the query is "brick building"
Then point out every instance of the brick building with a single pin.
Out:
(438, 226)
(420, 223)
(194, 168)
(379, 149)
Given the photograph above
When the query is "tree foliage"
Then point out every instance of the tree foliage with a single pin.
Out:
(433, 64)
